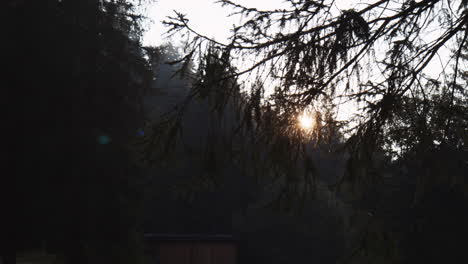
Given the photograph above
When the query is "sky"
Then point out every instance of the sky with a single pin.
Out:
(211, 19)
(206, 16)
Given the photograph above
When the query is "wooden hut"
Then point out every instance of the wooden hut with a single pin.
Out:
(191, 249)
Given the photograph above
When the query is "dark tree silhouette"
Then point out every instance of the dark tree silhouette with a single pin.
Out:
(373, 58)
(376, 58)
(77, 73)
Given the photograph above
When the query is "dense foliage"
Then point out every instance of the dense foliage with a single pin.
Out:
(76, 72)
(372, 60)
(76, 76)
(378, 61)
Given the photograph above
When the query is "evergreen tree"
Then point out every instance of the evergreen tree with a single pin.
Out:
(77, 74)
(375, 58)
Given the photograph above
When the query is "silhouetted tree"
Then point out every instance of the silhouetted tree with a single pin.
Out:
(317, 56)
(373, 59)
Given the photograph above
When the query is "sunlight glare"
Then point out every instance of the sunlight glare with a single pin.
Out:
(306, 121)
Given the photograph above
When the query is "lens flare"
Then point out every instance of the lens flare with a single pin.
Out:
(103, 139)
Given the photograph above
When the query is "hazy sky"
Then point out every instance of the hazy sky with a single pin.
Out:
(206, 16)
(211, 19)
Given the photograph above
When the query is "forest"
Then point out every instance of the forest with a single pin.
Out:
(314, 134)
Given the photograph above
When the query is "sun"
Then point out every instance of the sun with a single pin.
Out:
(306, 121)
